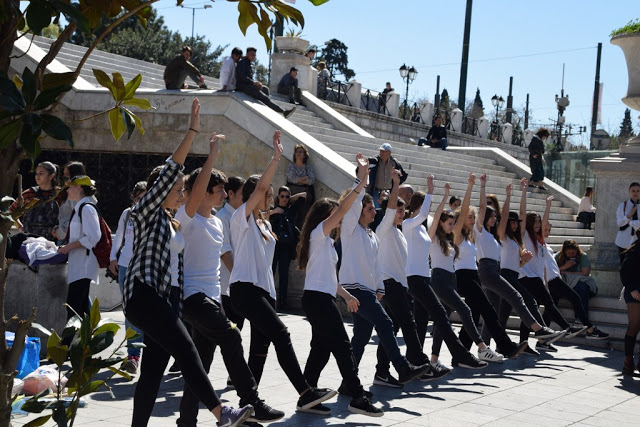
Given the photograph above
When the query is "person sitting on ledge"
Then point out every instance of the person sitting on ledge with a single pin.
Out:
(253, 88)
(437, 136)
(289, 86)
(228, 71)
(179, 68)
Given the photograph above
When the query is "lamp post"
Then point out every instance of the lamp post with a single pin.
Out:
(562, 102)
(408, 75)
(498, 102)
(193, 14)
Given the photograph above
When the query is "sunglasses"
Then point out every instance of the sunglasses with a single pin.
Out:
(284, 196)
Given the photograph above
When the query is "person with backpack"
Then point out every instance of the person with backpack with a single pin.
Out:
(627, 220)
(83, 236)
(629, 273)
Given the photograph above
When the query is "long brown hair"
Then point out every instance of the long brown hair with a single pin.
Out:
(535, 237)
(567, 245)
(247, 190)
(417, 199)
(496, 205)
(493, 230)
(445, 240)
(467, 232)
(516, 236)
(319, 211)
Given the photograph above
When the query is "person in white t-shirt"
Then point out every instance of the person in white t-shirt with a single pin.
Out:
(203, 235)
(627, 220)
(317, 256)
(253, 292)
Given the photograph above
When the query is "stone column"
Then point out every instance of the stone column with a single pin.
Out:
(354, 93)
(281, 63)
(613, 175)
(393, 104)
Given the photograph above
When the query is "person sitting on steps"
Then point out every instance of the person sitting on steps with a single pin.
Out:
(437, 136)
(289, 86)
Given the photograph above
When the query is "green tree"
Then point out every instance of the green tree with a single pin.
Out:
(475, 109)
(626, 127)
(335, 55)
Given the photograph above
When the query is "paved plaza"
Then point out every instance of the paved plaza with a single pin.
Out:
(576, 386)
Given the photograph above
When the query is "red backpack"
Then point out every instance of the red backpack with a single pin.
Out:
(102, 249)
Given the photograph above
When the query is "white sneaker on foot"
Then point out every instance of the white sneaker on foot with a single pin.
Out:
(489, 355)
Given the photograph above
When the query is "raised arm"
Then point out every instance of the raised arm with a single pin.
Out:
(504, 221)
(464, 209)
(392, 203)
(523, 204)
(202, 181)
(334, 219)
(438, 213)
(267, 176)
(483, 203)
(181, 152)
(547, 210)
(423, 214)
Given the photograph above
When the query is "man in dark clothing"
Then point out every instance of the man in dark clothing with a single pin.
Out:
(382, 99)
(437, 136)
(179, 68)
(380, 168)
(288, 85)
(536, 158)
(253, 88)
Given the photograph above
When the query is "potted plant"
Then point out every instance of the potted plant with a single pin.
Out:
(292, 42)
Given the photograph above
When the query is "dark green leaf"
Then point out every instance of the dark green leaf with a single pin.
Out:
(101, 342)
(91, 387)
(105, 363)
(4, 114)
(9, 132)
(29, 86)
(40, 421)
(105, 81)
(49, 96)
(57, 129)
(52, 80)
(39, 15)
(318, 2)
(85, 330)
(130, 334)
(29, 141)
(130, 88)
(129, 122)
(95, 314)
(32, 121)
(34, 405)
(72, 13)
(118, 82)
(10, 97)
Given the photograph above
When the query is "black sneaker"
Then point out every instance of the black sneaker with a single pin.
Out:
(530, 352)
(472, 362)
(515, 350)
(288, 113)
(230, 384)
(556, 338)
(175, 369)
(597, 334)
(264, 413)
(363, 406)
(434, 373)
(386, 380)
(574, 331)
(344, 390)
(546, 347)
(314, 396)
(547, 333)
(319, 409)
(409, 372)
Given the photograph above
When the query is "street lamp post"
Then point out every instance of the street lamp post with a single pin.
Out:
(498, 102)
(193, 14)
(562, 103)
(408, 75)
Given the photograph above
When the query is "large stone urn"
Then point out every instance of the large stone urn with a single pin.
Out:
(630, 45)
(292, 44)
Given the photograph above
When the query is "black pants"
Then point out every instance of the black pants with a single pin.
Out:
(281, 261)
(294, 93)
(426, 304)
(262, 96)
(558, 288)
(78, 297)
(328, 337)
(210, 328)
(539, 291)
(396, 304)
(470, 288)
(164, 335)
(231, 313)
(258, 307)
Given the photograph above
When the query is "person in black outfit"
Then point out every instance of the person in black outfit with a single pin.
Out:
(536, 159)
(288, 85)
(253, 88)
(437, 136)
(179, 68)
(629, 276)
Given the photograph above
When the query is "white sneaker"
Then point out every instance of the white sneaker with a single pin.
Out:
(440, 366)
(489, 355)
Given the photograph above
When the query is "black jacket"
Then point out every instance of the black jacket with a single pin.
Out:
(244, 73)
(536, 146)
(373, 169)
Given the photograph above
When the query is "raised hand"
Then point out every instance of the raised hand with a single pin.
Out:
(430, 185)
(524, 182)
(363, 166)
(214, 142)
(472, 178)
(526, 255)
(195, 115)
(395, 176)
(483, 179)
(277, 146)
(549, 200)
(509, 189)
(447, 188)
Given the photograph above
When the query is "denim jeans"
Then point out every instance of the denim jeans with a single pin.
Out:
(584, 292)
(371, 314)
(131, 351)
(442, 144)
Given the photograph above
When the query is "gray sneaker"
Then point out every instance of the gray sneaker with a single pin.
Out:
(232, 417)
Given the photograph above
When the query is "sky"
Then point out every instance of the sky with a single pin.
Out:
(527, 40)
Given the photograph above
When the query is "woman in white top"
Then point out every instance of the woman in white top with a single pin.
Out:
(443, 277)
(425, 302)
(488, 245)
(121, 253)
(84, 235)
(586, 210)
(627, 220)
(317, 255)
(252, 288)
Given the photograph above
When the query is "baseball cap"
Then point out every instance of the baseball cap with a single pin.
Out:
(293, 69)
(385, 147)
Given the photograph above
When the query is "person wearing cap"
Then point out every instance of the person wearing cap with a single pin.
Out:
(437, 136)
(179, 68)
(289, 86)
(228, 70)
(380, 170)
(84, 234)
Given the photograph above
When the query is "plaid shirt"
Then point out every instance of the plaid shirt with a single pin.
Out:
(151, 255)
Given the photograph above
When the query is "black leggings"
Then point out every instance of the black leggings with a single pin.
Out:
(78, 297)
(536, 287)
(558, 288)
(164, 335)
(257, 306)
(231, 313)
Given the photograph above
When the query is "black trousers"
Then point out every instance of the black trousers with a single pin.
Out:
(429, 305)
(294, 93)
(328, 337)
(258, 307)
(78, 297)
(262, 96)
(396, 304)
(164, 335)
(210, 328)
(558, 288)
(539, 291)
(231, 313)
(281, 261)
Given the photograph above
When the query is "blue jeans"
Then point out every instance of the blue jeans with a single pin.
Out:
(371, 314)
(122, 272)
(442, 144)
(584, 292)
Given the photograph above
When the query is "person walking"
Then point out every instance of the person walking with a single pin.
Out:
(536, 158)
(629, 273)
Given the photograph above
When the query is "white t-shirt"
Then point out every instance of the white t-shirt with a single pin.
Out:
(125, 230)
(488, 246)
(586, 205)
(393, 254)
(203, 242)
(321, 274)
(467, 252)
(550, 265)
(439, 259)
(176, 245)
(254, 247)
(418, 242)
(82, 262)
(224, 215)
(510, 255)
(535, 266)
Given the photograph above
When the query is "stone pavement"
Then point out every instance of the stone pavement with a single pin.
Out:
(576, 386)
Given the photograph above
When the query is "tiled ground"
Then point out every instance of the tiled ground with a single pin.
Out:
(576, 386)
